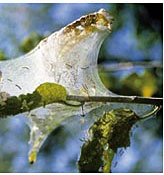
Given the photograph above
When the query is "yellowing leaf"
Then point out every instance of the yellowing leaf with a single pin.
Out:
(149, 86)
(144, 84)
(32, 157)
(147, 91)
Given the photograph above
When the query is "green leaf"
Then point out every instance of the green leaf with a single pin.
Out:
(51, 92)
(2, 56)
(30, 42)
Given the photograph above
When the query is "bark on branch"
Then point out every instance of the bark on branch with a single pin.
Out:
(119, 99)
(12, 105)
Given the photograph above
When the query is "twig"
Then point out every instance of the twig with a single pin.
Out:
(117, 99)
(146, 116)
(128, 65)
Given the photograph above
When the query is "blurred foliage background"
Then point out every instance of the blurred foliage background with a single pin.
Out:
(136, 39)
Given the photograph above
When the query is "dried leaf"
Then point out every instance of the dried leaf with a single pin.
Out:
(106, 135)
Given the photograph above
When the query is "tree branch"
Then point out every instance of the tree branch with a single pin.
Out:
(119, 99)
(12, 105)
(128, 65)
